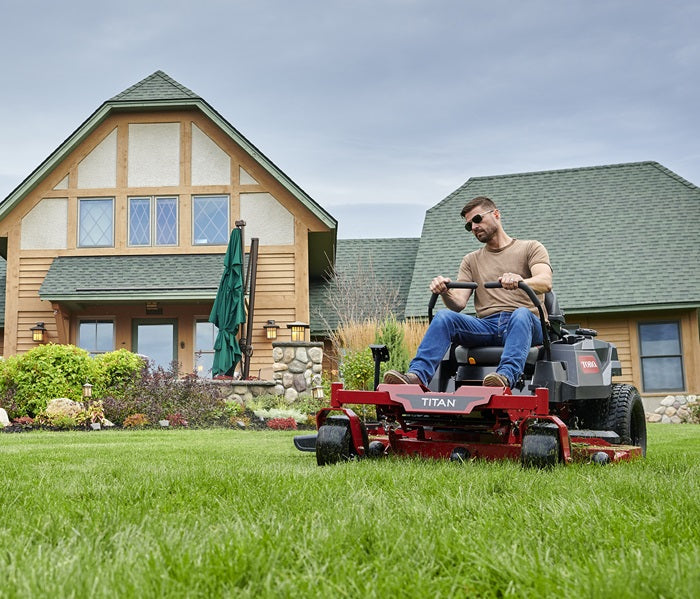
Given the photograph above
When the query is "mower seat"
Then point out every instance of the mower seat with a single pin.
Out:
(474, 362)
(490, 356)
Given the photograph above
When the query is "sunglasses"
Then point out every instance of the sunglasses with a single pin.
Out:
(476, 220)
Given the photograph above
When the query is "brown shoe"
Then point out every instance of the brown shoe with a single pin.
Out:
(493, 379)
(394, 377)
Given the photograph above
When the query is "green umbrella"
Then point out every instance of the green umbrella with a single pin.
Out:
(228, 312)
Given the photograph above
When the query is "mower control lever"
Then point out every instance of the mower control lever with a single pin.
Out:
(450, 285)
(536, 301)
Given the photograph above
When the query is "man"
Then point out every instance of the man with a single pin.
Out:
(505, 316)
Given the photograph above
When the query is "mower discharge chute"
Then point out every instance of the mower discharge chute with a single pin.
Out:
(564, 408)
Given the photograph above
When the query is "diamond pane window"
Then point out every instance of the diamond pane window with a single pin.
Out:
(210, 220)
(166, 221)
(140, 221)
(96, 222)
(152, 219)
(661, 356)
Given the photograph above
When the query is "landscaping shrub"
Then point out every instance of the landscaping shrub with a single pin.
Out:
(158, 393)
(357, 370)
(114, 370)
(136, 421)
(29, 381)
(391, 334)
(282, 424)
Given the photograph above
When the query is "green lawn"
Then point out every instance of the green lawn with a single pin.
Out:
(211, 513)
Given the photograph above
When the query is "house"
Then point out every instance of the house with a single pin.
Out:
(625, 248)
(117, 239)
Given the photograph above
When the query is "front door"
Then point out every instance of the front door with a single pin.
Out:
(156, 339)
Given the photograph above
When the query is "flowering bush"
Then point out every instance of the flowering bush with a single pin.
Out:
(282, 424)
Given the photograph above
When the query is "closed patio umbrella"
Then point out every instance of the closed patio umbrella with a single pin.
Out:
(228, 311)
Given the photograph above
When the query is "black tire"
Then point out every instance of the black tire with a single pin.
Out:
(541, 447)
(334, 441)
(625, 416)
(332, 444)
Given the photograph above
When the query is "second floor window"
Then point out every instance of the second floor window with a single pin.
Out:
(153, 221)
(96, 222)
(210, 220)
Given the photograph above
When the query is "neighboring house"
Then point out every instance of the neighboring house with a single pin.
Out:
(625, 248)
(117, 239)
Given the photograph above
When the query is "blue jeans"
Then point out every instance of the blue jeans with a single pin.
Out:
(516, 331)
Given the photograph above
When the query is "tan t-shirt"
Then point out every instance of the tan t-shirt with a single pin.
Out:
(484, 265)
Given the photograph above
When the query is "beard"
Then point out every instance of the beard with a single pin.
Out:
(485, 235)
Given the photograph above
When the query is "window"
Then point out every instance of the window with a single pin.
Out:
(96, 336)
(157, 340)
(153, 221)
(661, 356)
(210, 218)
(96, 222)
(204, 336)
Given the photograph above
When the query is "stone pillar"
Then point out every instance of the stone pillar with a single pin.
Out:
(297, 367)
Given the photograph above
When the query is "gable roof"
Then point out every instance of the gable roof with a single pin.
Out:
(133, 278)
(389, 261)
(620, 237)
(160, 92)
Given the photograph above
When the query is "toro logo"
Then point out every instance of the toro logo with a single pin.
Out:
(588, 364)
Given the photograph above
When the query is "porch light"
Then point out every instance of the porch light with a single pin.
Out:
(298, 330)
(38, 332)
(317, 391)
(271, 330)
(87, 391)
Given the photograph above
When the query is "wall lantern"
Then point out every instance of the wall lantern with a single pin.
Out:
(298, 330)
(317, 392)
(87, 391)
(38, 332)
(271, 330)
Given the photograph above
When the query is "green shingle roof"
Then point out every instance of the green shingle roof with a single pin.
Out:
(389, 260)
(130, 278)
(157, 86)
(620, 237)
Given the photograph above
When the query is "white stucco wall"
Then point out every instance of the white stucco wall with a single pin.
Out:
(45, 227)
(99, 168)
(154, 155)
(267, 219)
(62, 184)
(246, 179)
(210, 164)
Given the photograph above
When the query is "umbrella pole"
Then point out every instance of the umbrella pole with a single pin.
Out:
(252, 275)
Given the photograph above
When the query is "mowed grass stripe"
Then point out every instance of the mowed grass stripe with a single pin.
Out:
(233, 513)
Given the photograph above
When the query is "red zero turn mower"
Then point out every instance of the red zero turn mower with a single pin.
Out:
(564, 408)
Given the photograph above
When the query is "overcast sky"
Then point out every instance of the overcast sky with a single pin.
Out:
(378, 109)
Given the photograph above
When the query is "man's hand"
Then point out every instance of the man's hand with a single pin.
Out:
(438, 284)
(509, 280)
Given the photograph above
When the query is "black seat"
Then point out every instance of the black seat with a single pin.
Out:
(474, 362)
(490, 356)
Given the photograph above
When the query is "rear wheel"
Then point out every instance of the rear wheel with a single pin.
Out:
(625, 416)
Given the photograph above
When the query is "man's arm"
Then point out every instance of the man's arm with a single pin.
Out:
(454, 299)
(540, 281)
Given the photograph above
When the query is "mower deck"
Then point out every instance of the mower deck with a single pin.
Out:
(474, 422)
